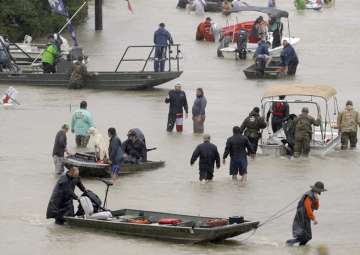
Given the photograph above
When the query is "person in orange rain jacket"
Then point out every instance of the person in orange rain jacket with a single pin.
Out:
(204, 31)
(305, 214)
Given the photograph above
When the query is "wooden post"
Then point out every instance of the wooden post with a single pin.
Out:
(98, 15)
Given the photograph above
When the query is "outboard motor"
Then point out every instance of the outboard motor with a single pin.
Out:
(242, 43)
(260, 64)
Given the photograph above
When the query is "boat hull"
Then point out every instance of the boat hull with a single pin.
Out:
(230, 52)
(92, 169)
(101, 80)
(192, 234)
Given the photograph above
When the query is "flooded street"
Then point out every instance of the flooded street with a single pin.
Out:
(327, 54)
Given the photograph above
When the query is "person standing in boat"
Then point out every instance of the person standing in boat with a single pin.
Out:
(50, 55)
(305, 214)
(347, 123)
(59, 149)
(177, 102)
(252, 126)
(81, 122)
(198, 111)
(238, 146)
(209, 156)
(303, 132)
(61, 200)
(115, 153)
(279, 111)
(162, 39)
(289, 59)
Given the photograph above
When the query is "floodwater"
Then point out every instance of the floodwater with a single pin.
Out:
(327, 53)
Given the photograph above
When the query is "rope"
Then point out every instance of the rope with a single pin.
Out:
(247, 238)
(280, 212)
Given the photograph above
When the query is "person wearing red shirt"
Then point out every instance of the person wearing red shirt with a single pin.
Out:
(305, 214)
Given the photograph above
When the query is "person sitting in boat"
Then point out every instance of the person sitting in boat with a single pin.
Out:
(61, 200)
(99, 144)
(289, 59)
(262, 51)
(50, 55)
(204, 31)
(134, 149)
(78, 74)
(279, 111)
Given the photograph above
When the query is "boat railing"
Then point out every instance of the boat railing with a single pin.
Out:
(170, 57)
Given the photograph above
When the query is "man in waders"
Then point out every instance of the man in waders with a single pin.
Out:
(305, 214)
(252, 126)
(209, 155)
(238, 146)
(178, 102)
(303, 132)
(347, 123)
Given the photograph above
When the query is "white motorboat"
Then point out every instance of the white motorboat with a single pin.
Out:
(321, 100)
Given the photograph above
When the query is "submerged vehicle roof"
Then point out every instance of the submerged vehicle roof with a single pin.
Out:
(272, 12)
(324, 91)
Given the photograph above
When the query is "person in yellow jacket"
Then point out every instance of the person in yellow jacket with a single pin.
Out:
(49, 55)
(347, 122)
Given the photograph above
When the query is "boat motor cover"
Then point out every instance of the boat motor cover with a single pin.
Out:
(87, 206)
(106, 215)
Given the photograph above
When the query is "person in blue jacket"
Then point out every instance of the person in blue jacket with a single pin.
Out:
(80, 123)
(289, 59)
(162, 38)
(116, 154)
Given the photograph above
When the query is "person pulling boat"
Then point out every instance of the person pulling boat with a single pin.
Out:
(305, 214)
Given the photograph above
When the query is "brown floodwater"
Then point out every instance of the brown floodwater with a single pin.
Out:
(328, 54)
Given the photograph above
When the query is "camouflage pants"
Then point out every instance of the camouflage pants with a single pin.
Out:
(346, 137)
(302, 145)
(82, 141)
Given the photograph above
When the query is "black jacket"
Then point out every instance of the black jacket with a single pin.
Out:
(115, 151)
(61, 200)
(238, 146)
(177, 100)
(252, 125)
(135, 149)
(60, 144)
(208, 154)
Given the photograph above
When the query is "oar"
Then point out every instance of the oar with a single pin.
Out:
(151, 149)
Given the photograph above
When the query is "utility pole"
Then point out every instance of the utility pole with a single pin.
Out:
(98, 15)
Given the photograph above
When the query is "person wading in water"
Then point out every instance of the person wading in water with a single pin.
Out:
(305, 214)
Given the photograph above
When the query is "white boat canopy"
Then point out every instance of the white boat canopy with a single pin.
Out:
(324, 91)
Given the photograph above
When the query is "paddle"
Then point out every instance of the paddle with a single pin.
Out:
(151, 149)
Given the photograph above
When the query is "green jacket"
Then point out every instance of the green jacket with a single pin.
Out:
(303, 125)
(81, 122)
(50, 54)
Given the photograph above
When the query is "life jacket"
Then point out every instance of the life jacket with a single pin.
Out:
(204, 31)
(279, 109)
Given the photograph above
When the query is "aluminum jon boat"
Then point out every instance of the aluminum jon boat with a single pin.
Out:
(188, 229)
(322, 103)
(88, 167)
(28, 71)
